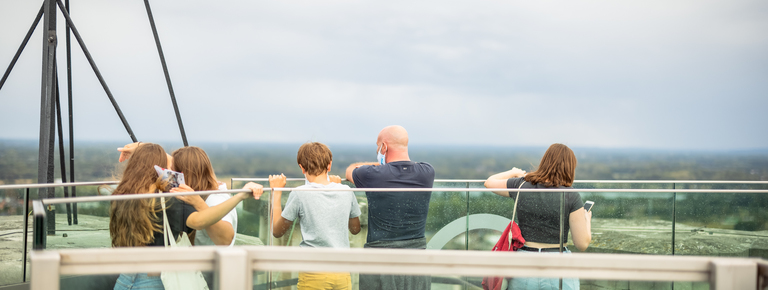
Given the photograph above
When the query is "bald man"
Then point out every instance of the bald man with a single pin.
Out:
(395, 219)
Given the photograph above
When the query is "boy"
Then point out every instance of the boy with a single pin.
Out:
(325, 215)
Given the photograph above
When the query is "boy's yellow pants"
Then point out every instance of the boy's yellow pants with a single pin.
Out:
(324, 281)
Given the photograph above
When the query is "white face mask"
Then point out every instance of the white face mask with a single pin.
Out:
(381, 157)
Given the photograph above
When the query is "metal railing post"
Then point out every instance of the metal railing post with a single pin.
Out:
(39, 231)
(26, 237)
(46, 265)
(674, 216)
(230, 272)
(733, 274)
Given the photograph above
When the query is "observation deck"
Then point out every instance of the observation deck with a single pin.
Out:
(661, 219)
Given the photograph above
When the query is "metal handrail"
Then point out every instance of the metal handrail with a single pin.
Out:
(235, 267)
(426, 190)
(64, 184)
(261, 179)
(111, 182)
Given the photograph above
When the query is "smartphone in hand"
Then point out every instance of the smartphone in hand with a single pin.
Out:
(173, 178)
(588, 205)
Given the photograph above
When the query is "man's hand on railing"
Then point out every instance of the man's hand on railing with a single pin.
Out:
(335, 178)
(256, 189)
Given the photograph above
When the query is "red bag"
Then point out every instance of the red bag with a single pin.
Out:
(511, 240)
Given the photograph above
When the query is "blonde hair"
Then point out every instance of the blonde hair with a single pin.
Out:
(133, 223)
(557, 167)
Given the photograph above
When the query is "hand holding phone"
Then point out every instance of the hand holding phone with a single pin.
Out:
(173, 178)
(588, 205)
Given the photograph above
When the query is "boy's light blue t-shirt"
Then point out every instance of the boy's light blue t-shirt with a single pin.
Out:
(324, 215)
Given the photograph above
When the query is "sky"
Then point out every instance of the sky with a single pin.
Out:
(687, 74)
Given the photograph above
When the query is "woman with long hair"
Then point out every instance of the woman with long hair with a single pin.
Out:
(539, 214)
(199, 176)
(136, 223)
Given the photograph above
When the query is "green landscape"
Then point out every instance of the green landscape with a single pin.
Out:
(98, 161)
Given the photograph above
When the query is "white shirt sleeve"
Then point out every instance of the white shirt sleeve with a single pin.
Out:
(202, 237)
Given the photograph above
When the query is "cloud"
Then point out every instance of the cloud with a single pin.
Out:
(650, 74)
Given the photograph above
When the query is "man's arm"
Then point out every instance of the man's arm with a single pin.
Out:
(353, 166)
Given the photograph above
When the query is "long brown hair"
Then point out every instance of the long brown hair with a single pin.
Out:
(557, 167)
(133, 223)
(197, 169)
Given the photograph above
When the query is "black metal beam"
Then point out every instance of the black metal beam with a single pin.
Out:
(95, 69)
(22, 46)
(62, 156)
(45, 156)
(71, 123)
(165, 71)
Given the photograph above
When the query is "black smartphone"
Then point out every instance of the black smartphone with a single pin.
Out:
(588, 205)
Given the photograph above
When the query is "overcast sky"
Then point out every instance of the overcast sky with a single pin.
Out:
(688, 74)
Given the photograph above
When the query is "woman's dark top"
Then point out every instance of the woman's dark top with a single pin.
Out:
(538, 213)
(178, 212)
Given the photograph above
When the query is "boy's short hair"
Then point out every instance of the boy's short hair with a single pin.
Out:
(314, 157)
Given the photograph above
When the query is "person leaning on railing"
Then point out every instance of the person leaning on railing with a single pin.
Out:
(198, 176)
(395, 219)
(135, 223)
(325, 216)
(538, 213)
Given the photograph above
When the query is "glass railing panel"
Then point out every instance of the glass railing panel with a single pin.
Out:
(91, 230)
(447, 219)
(489, 215)
(289, 280)
(661, 285)
(253, 219)
(80, 225)
(108, 281)
(12, 237)
(722, 224)
(627, 222)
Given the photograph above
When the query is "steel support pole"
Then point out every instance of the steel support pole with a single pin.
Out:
(22, 46)
(71, 123)
(165, 71)
(45, 157)
(62, 156)
(95, 69)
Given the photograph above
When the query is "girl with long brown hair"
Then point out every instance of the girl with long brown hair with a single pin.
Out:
(199, 176)
(539, 212)
(135, 223)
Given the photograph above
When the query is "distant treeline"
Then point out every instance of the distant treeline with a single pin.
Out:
(98, 161)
